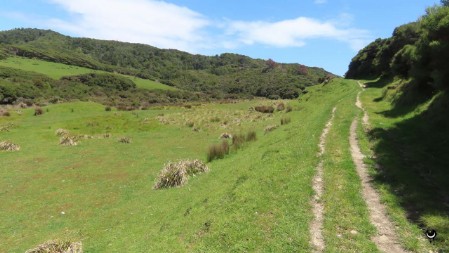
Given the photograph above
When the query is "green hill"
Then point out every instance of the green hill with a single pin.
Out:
(218, 75)
(408, 101)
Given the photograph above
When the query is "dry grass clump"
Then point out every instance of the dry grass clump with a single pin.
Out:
(285, 121)
(218, 151)
(125, 140)
(58, 246)
(6, 127)
(251, 136)
(61, 132)
(38, 111)
(176, 173)
(9, 146)
(270, 128)
(289, 108)
(68, 140)
(264, 108)
(107, 135)
(5, 113)
(280, 106)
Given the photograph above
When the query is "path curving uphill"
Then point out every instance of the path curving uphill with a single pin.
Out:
(316, 227)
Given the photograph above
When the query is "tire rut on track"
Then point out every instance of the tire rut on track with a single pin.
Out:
(316, 227)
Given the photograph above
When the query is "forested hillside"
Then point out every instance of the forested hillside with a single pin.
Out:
(220, 75)
(407, 80)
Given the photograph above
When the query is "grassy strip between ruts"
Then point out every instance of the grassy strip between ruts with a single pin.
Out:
(347, 227)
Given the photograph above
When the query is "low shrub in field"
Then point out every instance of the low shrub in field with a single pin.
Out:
(270, 128)
(289, 108)
(176, 173)
(280, 106)
(6, 114)
(58, 247)
(264, 108)
(67, 140)
(125, 140)
(251, 136)
(108, 108)
(9, 146)
(285, 121)
(238, 140)
(218, 151)
(61, 132)
(38, 111)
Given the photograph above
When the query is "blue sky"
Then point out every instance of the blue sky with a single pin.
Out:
(322, 33)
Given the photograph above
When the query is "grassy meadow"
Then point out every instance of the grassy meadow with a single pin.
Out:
(100, 192)
(58, 70)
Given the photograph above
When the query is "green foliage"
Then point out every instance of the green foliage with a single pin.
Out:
(418, 50)
(221, 75)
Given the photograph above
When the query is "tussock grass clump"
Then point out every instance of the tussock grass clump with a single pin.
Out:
(125, 140)
(289, 108)
(251, 136)
(280, 106)
(285, 121)
(58, 246)
(176, 174)
(7, 127)
(67, 140)
(5, 114)
(238, 140)
(270, 128)
(264, 108)
(61, 132)
(226, 136)
(107, 135)
(108, 108)
(9, 146)
(218, 151)
(38, 111)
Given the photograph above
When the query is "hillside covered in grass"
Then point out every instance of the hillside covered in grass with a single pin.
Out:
(408, 101)
(221, 75)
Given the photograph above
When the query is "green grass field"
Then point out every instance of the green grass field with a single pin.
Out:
(58, 70)
(256, 199)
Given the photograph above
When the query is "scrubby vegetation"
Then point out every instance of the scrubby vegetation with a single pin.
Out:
(226, 75)
(176, 173)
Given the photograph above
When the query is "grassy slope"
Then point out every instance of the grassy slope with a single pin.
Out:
(401, 139)
(58, 70)
(256, 199)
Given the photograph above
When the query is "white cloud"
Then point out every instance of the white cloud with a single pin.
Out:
(153, 22)
(320, 1)
(295, 32)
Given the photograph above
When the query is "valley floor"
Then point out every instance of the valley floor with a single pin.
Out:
(256, 199)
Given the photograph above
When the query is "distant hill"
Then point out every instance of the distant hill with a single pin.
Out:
(226, 75)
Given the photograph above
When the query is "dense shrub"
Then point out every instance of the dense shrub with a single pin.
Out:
(280, 106)
(38, 111)
(264, 108)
